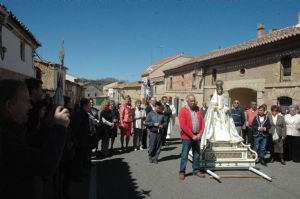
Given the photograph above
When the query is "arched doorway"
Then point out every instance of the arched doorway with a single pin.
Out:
(284, 102)
(244, 95)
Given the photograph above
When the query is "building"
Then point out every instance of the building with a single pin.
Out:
(112, 91)
(72, 89)
(265, 69)
(47, 71)
(184, 79)
(17, 47)
(154, 73)
(133, 89)
(90, 91)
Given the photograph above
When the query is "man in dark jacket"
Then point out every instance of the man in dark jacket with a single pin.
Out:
(156, 122)
(204, 109)
(261, 125)
(19, 162)
(238, 116)
(35, 90)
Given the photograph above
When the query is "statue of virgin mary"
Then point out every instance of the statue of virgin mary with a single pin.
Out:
(219, 125)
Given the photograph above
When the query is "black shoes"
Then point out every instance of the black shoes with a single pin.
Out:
(263, 162)
(181, 176)
(282, 162)
(153, 161)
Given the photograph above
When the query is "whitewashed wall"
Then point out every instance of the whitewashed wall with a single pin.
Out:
(12, 60)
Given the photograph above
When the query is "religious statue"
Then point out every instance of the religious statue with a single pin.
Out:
(219, 125)
(148, 88)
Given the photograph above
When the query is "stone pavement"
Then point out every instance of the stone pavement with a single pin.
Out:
(130, 175)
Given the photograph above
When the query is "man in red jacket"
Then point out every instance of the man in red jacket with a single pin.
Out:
(191, 129)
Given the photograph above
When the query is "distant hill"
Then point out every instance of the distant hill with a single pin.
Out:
(99, 83)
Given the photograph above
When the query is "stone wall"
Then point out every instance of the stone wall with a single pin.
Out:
(258, 78)
(48, 74)
(74, 91)
(134, 93)
(261, 74)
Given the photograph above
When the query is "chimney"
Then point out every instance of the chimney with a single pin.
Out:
(260, 30)
(298, 25)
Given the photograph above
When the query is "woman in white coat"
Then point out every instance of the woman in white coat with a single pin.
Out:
(292, 149)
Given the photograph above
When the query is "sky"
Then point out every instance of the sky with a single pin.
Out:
(120, 38)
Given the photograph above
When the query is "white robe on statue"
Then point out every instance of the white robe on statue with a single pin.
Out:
(219, 125)
(172, 121)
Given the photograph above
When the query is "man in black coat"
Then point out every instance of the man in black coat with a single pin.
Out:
(81, 131)
(35, 90)
(20, 162)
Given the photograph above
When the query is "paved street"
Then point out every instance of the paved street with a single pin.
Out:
(129, 175)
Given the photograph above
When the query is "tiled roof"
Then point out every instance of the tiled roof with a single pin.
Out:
(191, 61)
(22, 26)
(274, 36)
(157, 64)
(56, 65)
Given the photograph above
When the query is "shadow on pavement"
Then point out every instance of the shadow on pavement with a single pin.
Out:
(114, 181)
(170, 157)
(168, 148)
(174, 143)
(116, 151)
(79, 189)
(173, 139)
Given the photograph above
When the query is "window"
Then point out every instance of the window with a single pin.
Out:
(182, 83)
(214, 76)
(242, 72)
(171, 82)
(22, 50)
(88, 95)
(284, 102)
(95, 94)
(194, 81)
(286, 64)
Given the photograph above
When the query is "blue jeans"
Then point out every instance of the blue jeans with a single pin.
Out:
(259, 145)
(186, 146)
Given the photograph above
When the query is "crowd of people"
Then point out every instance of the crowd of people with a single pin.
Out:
(44, 146)
(271, 131)
(219, 122)
(146, 121)
(32, 141)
